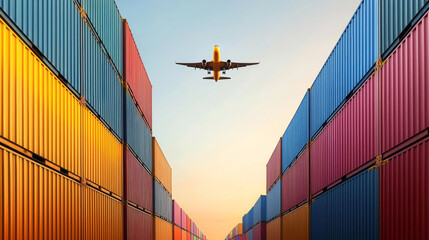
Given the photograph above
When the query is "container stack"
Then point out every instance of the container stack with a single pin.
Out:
(254, 228)
(236, 233)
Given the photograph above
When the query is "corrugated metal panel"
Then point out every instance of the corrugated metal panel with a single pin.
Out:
(296, 135)
(177, 217)
(295, 183)
(248, 220)
(250, 234)
(139, 136)
(184, 217)
(163, 202)
(245, 236)
(295, 225)
(184, 235)
(139, 224)
(404, 88)
(188, 236)
(404, 194)
(348, 211)
(101, 216)
(177, 233)
(349, 140)
(395, 17)
(260, 231)
(188, 223)
(36, 203)
(274, 201)
(107, 21)
(103, 90)
(274, 229)
(139, 183)
(353, 56)
(163, 230)
(274, 165)
(136, 77)
(54, 27)
(161, 167)
(103, 156)
(260, 210)
(37, 111)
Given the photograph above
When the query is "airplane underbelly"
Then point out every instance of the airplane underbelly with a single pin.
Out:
(216, 75)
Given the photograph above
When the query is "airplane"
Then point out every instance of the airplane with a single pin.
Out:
(216, 65)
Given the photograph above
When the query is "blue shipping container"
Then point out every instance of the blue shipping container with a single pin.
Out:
(248, 221)
(250, 236)
(54, 27)
(274, 202)
(352, 58)
(259, 210)
(103, 90)
(348, 211)
(296, 135)
(163, 202)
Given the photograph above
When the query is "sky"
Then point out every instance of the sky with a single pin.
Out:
(218, 137)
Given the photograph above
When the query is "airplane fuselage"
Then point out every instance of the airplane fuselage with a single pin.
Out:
(216, 63)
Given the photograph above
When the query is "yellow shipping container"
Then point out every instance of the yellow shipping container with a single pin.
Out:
(295, 225)
(36, 202)
(161, 168)
(103, 155)
(37, 111)
(163, 229)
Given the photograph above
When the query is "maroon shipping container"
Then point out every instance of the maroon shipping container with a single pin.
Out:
(138, 182)
(295, 183)
(349, 140)
(405, 88)
(177, 217)
(139, 224)
(274, 166)
(183, 215)
(135, 75)
(260, 231)
(245, 236)
(404, 194)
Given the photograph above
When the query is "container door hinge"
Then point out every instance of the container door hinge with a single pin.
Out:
(379, 162)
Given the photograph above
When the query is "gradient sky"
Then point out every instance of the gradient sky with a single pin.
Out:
(218, 137)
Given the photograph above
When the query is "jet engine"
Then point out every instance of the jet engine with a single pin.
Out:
(204, 63)
(228, 63)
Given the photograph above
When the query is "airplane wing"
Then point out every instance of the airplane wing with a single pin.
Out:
(199, 65)
(231, 65)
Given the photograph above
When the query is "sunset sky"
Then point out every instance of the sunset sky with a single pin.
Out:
(218, 137)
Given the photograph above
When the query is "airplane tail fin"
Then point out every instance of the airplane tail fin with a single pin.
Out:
(220, 78)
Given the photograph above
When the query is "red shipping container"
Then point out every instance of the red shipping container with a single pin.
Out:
(177, 233)
(295, 183)
(138, 182)
(183, 218)
(177, 217)
(139, 224)
(260, 231)
(349, 140)
(135, 75)
(188, 223)
(245, 236)
(404, 194)
(405, 88)
(274, 166)
(188, 235)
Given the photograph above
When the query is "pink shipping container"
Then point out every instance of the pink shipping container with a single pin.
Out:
(245, 236)
(135, 75)
(177, 217)
(138, 182)
(295, 186)
(349, 140)
(183, 214)
(260, 231)
(274, 166)
(139, 224)
(405, 88)
(404, 194)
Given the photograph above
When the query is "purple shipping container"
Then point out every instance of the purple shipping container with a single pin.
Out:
(177, 217)
(183, 214)
(260, 231)
(139, 224)
(405, 88)
(349, 140)
(295, 183)
(274, 166)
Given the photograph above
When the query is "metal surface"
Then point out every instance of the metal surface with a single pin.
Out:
(274, 166)
(177, 233)
(161, 168)
(163, 229)
(260, 210)
(177, 217)
(250, 234)
(274, 229)
(139, 224)
(352, 58)
(163, 202)
(349, 140)
(184, 217)
(274, 202)
(247, 220)
(184, 235)
(260, 231)
(295, 225)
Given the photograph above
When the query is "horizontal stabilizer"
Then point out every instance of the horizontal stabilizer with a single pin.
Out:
(220, 78)
(209, 78)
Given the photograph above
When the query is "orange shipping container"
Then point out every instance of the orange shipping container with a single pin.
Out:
(295, 225)
(240, 229)
(37, 111)
(177, 235)
(163, 230)
(161, 168)
(184, 235)
(35, 202)
(274, 229)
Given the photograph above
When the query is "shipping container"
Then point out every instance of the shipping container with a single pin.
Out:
(37, 111)
(56, 34)
(177, 233)
(295, 225)
(184, 234)
(163, 229)
(260, 210)
(139, 224)
(135, 75)
(404, 88)
(163, 202)
(188, 236)
(245, 236)
(260, 231)
(102, 216)
(177, 217)
(349, 140)
(188, 223)
(161, 167)
(103, 155)
(274, 229)
(184, 217)
(139, 182)
(107, 21)
(274, 166)
(296, 136)
(103, 89)
(139, 137)
(349, 210)
(250, 236)
(404, 194)
(247, 220)
(295, 185)
(35, 202)
(274, 202)
(397, 17)
(351, 60)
